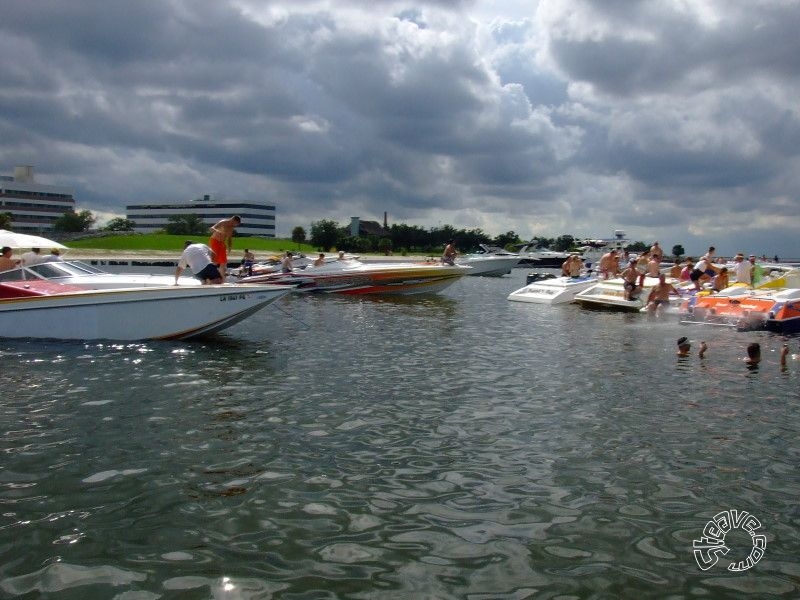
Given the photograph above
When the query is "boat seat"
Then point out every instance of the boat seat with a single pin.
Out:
(24, 289)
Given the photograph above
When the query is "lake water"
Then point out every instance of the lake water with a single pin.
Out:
(451, 446)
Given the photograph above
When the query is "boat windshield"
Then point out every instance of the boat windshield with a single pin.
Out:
(56, 270)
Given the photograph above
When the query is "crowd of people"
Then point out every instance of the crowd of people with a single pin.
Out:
(33, 257)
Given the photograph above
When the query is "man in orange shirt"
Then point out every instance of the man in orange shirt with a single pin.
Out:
(222, 240)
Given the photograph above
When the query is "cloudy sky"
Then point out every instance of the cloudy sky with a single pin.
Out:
(676, 120)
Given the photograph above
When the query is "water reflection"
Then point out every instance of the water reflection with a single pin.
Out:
(453, 446)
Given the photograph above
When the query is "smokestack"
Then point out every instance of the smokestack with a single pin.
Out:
(385, 222)
(23, 174)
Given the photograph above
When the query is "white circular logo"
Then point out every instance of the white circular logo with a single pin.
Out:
(708, 548)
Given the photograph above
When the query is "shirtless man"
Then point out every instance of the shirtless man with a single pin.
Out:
(659, 294)
(631, 274)
(656, 251)
(609, 264)
(450, 253)
(653, 266)
(222, 240)
(6, 262)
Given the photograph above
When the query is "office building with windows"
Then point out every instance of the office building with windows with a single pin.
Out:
(257, 219)
(34, 207)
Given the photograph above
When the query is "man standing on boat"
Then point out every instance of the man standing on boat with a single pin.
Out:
(656, 252)
(609, 264)
(631, 276)
(450, 253)
(743, 269)
(222, 241)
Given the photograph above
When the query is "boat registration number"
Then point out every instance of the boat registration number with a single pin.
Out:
(232, 297)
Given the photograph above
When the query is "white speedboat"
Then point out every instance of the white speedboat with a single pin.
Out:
(610, 293)
(490, 262)
(558, 290)
(354, 277)
(91, 278)
(39, 308)
(592, 249)
(541, 258)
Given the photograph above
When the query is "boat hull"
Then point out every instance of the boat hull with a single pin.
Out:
(175, 312)
(488, 266)
(402, 279)
(610, 295)
(772, 309)
(559, 290)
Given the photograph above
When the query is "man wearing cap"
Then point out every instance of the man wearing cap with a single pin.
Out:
(743, 269)
(199, 258)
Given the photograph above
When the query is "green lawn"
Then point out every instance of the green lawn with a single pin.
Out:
(158, 241)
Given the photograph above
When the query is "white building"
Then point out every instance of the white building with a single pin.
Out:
(257, 219)
(34, 207)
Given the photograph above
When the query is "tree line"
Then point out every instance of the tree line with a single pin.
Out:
(401, 238)
(327, 234)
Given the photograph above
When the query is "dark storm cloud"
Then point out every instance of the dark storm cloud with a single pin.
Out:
(580, 118)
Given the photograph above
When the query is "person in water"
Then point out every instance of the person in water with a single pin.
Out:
(685, 347)
(753, 354)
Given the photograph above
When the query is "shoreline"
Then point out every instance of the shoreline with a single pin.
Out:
(164, 255)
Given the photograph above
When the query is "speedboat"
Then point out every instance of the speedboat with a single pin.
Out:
(556, 290)
(610, 294)
(38, 308)
(352, 276)
(773, 309)
(87, 277)
(491, 261)
(544, 258)
(592, 250)
(271, 264)
(770, 305)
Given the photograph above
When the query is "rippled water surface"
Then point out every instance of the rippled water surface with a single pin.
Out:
(452, 446)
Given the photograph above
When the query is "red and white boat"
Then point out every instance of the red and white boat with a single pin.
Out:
(39, 308)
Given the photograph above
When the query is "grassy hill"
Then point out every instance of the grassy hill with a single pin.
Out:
(174, 243)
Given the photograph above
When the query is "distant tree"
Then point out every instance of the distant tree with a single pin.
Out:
(542, 242)
(189, 224)
(409, 237)
(506, 240)
(120, 224)
(678, 251)
(563, 243)
(324, 234)
(385, 246)
(298, 235)
(638, 247)
(5, 220)
(74, 222)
